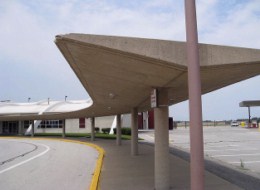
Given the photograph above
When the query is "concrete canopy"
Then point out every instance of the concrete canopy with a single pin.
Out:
(120, 72)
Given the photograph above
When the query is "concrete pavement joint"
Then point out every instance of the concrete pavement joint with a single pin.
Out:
(233, 149)
(233, 155)
(246, 162)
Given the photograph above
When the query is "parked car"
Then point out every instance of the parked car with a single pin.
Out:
(234, 124)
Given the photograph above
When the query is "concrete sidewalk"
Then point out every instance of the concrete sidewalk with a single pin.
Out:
(121, 171)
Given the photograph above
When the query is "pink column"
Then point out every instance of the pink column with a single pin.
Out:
(64, 129)
(92, 128)
(196, 131)
(161, 144)
(32, 131)
(134, 131)
(118, 129)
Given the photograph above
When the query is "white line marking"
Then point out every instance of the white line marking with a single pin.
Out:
(221, 150)
(25, 161)
(231, 149)
(226, 155)
(222, 145)
(246, 162)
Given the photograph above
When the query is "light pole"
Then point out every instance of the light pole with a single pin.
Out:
(194, 83)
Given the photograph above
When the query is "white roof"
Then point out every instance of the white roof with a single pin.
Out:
(10, 108)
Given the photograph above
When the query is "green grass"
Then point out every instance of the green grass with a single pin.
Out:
(87, 135)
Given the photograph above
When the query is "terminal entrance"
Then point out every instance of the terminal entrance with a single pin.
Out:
(10, 127)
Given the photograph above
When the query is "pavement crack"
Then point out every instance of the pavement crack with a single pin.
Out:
(21, 155)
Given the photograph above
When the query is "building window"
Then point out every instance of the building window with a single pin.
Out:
(82, 123)
(51, 124)
(27, 123)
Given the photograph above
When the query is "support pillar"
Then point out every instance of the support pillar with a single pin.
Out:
(134, 132)
(194, 83)
(64, 129)
(161, 147)
(249, 117)
(118, 129)
(92, 129)
(32, 131)
(1, 127)
(20, 128)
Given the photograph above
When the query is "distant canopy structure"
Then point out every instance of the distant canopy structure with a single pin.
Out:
(249, 103)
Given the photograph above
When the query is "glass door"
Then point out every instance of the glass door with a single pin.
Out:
(10, 127)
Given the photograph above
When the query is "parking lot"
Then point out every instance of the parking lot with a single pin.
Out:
(236, 146)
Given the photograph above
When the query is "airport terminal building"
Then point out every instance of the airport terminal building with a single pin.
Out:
(73, 125)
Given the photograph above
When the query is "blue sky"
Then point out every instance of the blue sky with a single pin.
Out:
(32, 66)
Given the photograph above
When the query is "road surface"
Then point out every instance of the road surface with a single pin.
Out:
(45, 164)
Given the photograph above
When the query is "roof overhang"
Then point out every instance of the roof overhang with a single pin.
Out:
(129, 68)
(120, 72)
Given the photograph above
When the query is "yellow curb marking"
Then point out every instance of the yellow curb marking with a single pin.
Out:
(95, 178)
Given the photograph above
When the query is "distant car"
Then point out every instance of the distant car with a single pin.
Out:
(234, 124)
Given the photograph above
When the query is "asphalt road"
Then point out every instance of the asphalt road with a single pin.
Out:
(236, 146)
(45, 164)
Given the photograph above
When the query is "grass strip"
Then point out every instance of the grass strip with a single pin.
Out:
(87, 135)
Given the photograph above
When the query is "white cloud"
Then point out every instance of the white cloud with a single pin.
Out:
(237, 28)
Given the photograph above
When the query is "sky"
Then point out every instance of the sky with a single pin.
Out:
(32, 66)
